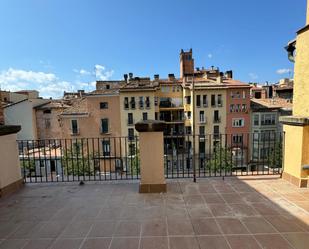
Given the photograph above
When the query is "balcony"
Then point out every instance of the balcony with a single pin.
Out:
(240, 212)
(259, 211)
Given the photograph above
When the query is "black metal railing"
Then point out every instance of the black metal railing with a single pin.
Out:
(118, 158)
(80, 159)
(223, 154)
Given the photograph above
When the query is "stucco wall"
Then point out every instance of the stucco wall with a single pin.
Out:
(296, 150)
(9, 162)
(54, 131)
(301, 92)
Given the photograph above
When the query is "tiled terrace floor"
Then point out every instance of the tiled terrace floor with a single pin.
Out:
(210, 214)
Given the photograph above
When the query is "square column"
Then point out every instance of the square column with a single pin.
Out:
(151, 156)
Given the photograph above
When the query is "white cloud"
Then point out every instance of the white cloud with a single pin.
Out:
(253, 76)
(82, 72)
(284, 71)
(210, 56)
(48, 84)
(101, 73)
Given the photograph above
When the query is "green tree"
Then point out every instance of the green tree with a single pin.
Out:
(275, 156)
(28, 166)
(77, 163)
(221, 160)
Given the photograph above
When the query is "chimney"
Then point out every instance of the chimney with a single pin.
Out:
(219, 79)
(130, 76)
(156, 76)
(171, 77)
(125, 76)
(197, 69)
(229, 74)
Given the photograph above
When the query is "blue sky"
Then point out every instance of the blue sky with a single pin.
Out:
(57, 45)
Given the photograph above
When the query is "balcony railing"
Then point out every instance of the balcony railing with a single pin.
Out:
(80, 159)
(116, 158)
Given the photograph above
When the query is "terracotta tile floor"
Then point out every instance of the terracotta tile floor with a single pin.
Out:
(234, 213)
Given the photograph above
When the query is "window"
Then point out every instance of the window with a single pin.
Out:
(189, 114)
(205, 102)
(156, 116)
(141, 102)
(126, 103)
(74, 127)
(220, 100)
(268, 135)
(156, 100)
(107, 87)
(47, 123)
(216, 116)
(188, 100)
(238, 122)
(213, 100)
(131, 133)
(132, 102)
(147, 102)
(106, 147)
(202, 117)
(256, 120)
(47, 111)
(202, 130)
(216, 132)
(145, 116)
(268, 119)
(238, 108)
(244, 108)
(237, 139)
(235, 95)
(188, 130)
(198, 100)
(104, 125)
(232, 108)
(243, 94)
(130, 119)
(256, 136)
(104, 105)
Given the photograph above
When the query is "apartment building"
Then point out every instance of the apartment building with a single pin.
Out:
(23, 113)
(137, 103)
(48, 119)
(266, 130)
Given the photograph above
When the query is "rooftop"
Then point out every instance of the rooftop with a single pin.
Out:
(276, 103)
(234, 213)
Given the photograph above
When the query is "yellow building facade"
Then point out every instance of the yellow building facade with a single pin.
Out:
(296, 156)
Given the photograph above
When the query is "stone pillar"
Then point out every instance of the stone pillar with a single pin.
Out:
(296, 127)
(10, 172)
(151, 156)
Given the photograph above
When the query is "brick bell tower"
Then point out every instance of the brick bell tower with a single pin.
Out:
(186, 63)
